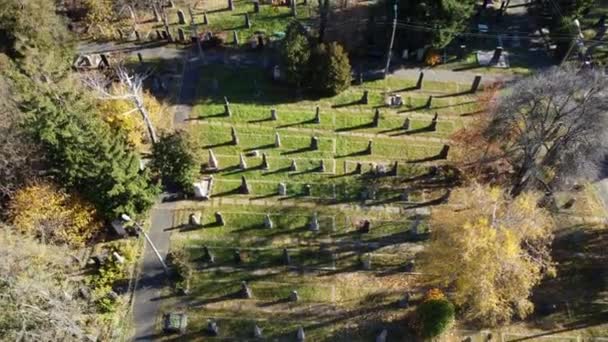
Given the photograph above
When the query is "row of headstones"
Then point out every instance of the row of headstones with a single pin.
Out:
(420, 85)
(194, 219)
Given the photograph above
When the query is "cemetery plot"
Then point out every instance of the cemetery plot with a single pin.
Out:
(308, 230)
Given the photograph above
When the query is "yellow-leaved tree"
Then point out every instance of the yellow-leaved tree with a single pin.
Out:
(52, 215)
(121, 114)
(489, 250)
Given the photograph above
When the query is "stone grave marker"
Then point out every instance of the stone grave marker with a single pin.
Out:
(433, 125)
(181, 35)
(104, 60)
(429, 102)
(181, 18)
(366, 261)
(406, 124)
(159, 35)
(476, 83)
(257, 331)
(219, 219)
(244, 188)
(205, 18)
(360, 78)
(245, 290)
(273, 115)
(194, 219)
(282, 189)
(409, 267)
(365, 226)
(358, 168)
(443, 154)
(247, 21)
(230, 5)
(137, 35)
(265, 165)
(235, 37)
(394, 169)
(293, 166)
(420, 80)
(268, 222)
(294, 296)
(212, 328)
(207, 255)
(321, 166)
(242, 162)
(314, 143)
(317, 118)
(368, 149)
(237, 256)
(294, 10)
(256, 6)
(365, 98)
(405, 301)
(300, 335)
(307, 190)
(212, 163)
(227, 111)
(235, 138)
(277, 140)
(376, 119)
(313, 225)
(286, 257)
(166, 35)
(140, 58)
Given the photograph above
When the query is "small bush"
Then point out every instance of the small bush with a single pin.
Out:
(331, 71)
(434, 317)
(173, 160)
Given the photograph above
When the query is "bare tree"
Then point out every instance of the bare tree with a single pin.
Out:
(37, 298)
(132, 90)
(553, 127)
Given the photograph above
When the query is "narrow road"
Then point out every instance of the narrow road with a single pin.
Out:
(152, 277)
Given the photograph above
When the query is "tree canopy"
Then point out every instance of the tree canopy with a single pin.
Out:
(490, 250)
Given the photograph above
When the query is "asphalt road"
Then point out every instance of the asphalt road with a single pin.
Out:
(147, 297)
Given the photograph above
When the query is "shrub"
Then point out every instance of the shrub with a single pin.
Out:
(331, 71)
(434, 317)
(432, 58)
(173, 160)
(295, 54)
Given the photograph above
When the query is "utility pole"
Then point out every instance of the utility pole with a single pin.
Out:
(389, 53)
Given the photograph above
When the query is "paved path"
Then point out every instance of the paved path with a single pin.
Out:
(152, 277)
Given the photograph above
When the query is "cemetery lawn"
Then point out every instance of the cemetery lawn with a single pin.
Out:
(340, 299)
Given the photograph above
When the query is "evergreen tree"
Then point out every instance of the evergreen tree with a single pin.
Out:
(331, 72)
(295, 54)
(173, 161)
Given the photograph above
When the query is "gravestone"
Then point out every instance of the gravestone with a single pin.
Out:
(121, 35)
(443, 154)
(409, 267)
(140, 58)
(230, 5)
(194, 219)
(307, 190)
(321, 166)
(181, 18)
(360, 78)
(433, 125)
(294, 296)
(265, 165)
(181, 35)
(314, 143)
(212, 163)
(235, 138)
(358, 168)
(314, 223)
(166, 35)
(157, 17)
(286, 257)
(376, 119)
(365, 226)
(277, 140)
(212, 328)
(300, 335)
(497, 54)
(205, 19)
(420, 80)
(104, 60)
(476, 83)
(227, 111)
(171, 4)
(293, 166)
(394, 169)
(365, 98)
(366, 262)
(247, 21)
(317, 118)
(235, 37)
(294, 9)
(429, 102)
(237, 256)
(406, 124)
(256, 7)
(273, 115)
(382, 336)
(242, 162)
(245, 290)
(159, 35)
(244, 188)
(368, 149)
(219, 219)
(208, 256)
(268, 222)
(257, 331)
(137, 35)
(282, 189)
